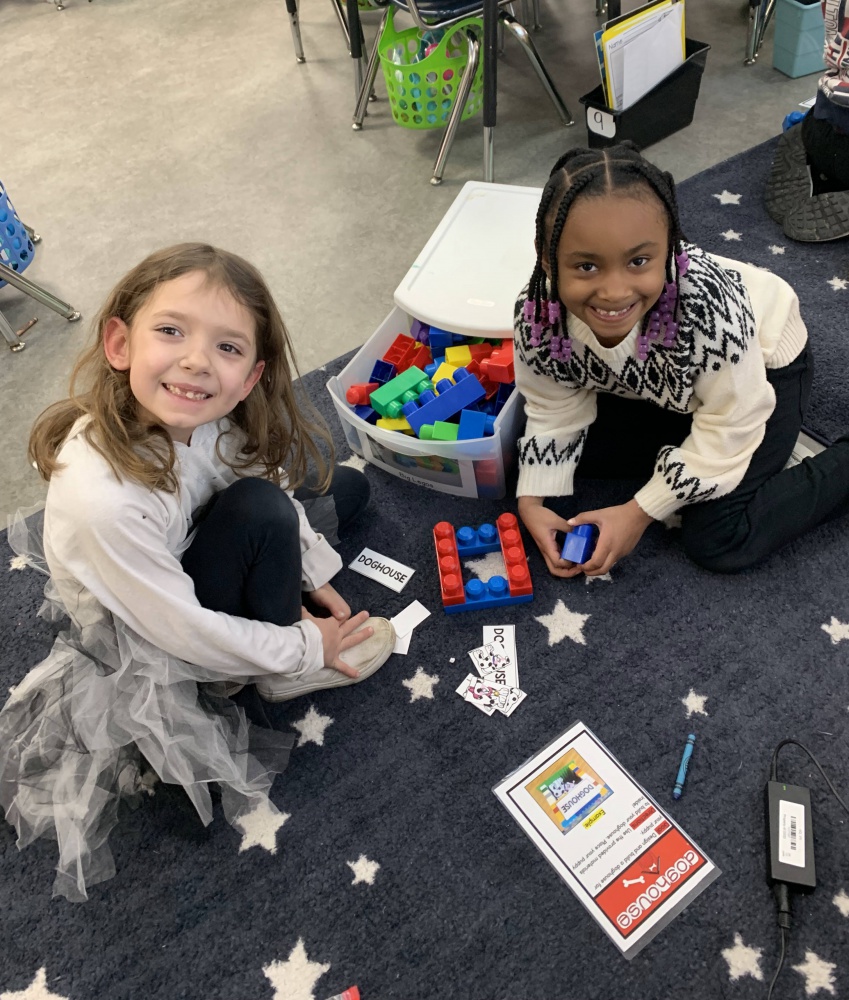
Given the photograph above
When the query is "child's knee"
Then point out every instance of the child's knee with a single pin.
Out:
(704, 551)
(259, 501)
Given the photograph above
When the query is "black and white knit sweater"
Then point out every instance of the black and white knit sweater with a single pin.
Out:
(735, 321)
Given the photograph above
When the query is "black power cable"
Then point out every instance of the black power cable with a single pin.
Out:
(781, 889)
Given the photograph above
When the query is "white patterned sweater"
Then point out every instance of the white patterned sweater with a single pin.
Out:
(735, 321)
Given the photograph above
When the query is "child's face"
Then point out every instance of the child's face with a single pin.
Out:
(611, 261)
(190, 352)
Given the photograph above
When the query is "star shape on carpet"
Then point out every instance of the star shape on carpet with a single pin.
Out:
(364, 870)
(776, 250)
(819, 974)
(837, 630)
(694, 703)
(838, 284)
(295, 978)
(727, 198)
(18, 562)
(421, 685)
(841, 901)
(492, 564)
(354, 462)
(731, 235)
(604, 576)
(259, 827)
(743, 960)
(37, 990)
(312, 727)
(562, 623)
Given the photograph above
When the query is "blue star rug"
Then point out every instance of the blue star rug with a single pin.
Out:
(392, 865)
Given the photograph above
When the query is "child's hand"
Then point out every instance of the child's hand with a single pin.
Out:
(328, 597)
(620, 528)
(543, 524)
(337, 637)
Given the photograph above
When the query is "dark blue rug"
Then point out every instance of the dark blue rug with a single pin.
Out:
(397, 869)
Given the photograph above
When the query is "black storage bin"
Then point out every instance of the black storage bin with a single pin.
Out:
(662, 111)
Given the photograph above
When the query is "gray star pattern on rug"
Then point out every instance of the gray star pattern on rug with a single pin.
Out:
(819, 974)
(421, 685)
(312, 727)
(838, 284)
(492, 564)
(727, 198)
(837, 630)
(562, 623)
(743, 960)
(37, 990)
(841, 901)
(17, 562)
(731, 236)
(259, 827)
(364, 870)
(295, 978)
(694, 703)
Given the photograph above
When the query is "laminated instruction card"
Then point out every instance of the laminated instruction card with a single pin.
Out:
(626, 860)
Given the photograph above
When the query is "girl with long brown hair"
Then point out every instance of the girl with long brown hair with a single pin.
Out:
(175, 542)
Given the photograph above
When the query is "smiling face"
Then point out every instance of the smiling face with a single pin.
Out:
(190, 351)
(611, 261)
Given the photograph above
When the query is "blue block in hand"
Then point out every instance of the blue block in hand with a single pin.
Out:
(580, 543)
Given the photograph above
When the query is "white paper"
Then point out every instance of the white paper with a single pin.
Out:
(505, 637)
(811, 101)
(627, 861)
(390, 573)
(651, 57)
(411, 617)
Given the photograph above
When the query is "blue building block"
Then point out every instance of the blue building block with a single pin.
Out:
(503, 394)
(580, 543)
(383, 372)
(367, 413)
(477, 542)
(465, 391)
(475, 424)
(495, 593)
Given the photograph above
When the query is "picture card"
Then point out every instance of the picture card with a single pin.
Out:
(489, 697)
(503, 638)
(623, 856)
(390, 573)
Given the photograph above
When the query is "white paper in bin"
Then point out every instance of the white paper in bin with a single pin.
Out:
(472, 468)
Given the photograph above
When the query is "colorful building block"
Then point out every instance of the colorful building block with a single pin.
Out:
(489, 387)
(420, 331)
(465, 391)
(382, 372)
(459, 356)
(439, 340)
(443, 370)
(401, 352)
(404, 388)
(395, 424)
(580, 543)
(366, 413)
(499, 365)
(498, 591)
(480, 351)
(503, 394)
(441, 430)
(474, 424)
(358, 395)
(421, 356)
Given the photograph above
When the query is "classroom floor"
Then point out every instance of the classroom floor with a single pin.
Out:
(132, 124)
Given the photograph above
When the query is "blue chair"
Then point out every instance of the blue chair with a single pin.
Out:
(428, 15)
(17, 250)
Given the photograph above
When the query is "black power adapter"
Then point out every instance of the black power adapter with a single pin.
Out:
(791, 836)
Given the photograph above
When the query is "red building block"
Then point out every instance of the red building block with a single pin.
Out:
(401, 352)
(518, 573)
(499, 365)
(480, 351)
(358, 394)
(448, 564)
(421, 357)
(489, 387)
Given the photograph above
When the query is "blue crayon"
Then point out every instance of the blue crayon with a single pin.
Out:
(682, 770)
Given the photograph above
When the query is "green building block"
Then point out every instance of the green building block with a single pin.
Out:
(441, 430)
(404, 388)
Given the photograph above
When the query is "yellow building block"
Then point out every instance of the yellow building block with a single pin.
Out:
(444, 371)
(395, 424)
(458, 356)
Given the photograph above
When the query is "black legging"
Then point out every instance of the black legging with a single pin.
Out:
(245, 558)
(828, 154)
(771, 506)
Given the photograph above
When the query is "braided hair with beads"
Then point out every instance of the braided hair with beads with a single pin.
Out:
(597, 172)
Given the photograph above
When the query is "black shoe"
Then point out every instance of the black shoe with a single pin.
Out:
(819, 219)
(789, 179)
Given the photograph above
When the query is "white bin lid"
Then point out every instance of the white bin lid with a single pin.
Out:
(470, 272)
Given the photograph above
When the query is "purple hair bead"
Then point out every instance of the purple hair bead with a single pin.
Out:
(553, 312)
(683, 262)
(536, 334)
(671, 335)
(528, 310)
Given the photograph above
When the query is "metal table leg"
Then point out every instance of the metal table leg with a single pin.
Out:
(292, 8)
(491, 25)
(38, 293)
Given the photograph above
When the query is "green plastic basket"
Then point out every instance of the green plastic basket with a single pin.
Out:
(422, 93)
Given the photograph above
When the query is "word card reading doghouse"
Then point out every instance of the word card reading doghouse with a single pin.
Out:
(626, 860)
(390, 573)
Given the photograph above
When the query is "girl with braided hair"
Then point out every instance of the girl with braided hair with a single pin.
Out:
(640, 356)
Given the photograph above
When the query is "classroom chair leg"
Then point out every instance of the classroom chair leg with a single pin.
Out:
(537, 25)
(9, 335)
(366, 91)
(294, 23)
(457, 111)
(520, 32)
(343, 23)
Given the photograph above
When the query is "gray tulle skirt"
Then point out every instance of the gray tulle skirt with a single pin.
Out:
(104, 716)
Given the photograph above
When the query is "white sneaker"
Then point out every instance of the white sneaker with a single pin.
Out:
(367, 657)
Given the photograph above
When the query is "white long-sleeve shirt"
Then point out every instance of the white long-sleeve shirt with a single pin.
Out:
(735, 321)
(117, 545)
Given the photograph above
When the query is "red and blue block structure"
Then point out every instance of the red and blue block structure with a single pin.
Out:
(476, 595)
